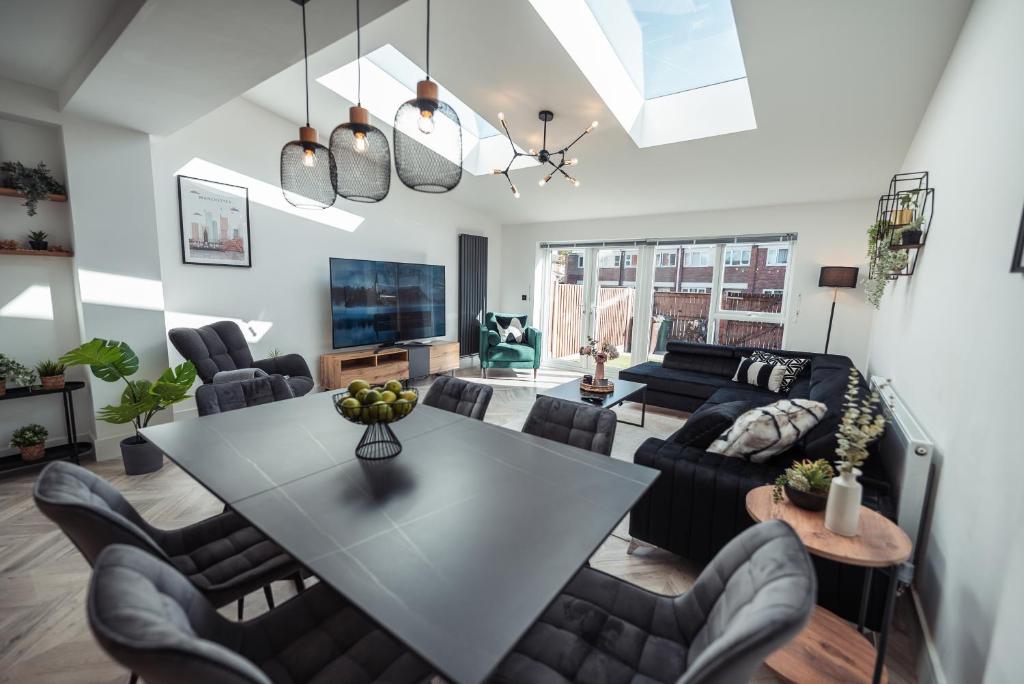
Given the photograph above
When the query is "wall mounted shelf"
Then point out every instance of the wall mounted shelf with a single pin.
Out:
(910, 200)
(11, 192)
(35, 253)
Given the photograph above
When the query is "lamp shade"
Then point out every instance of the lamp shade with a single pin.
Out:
(363, 157)
(309, 176)
(428, 142)
(838, 276)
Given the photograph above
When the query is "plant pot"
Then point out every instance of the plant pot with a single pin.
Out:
(32, 453)
(910, 237)
(52, 382)
(140, 457)
(806, 500)
(842, 513)
(38, 245)
(901, 217)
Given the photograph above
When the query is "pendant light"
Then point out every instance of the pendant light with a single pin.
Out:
(359, 148)
(428, 138)
(309, 175)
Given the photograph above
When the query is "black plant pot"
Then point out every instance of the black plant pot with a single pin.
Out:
(38, 245)
(910, 237)
(140, 457)
(806, 500)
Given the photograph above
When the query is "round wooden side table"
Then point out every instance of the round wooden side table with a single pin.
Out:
(827, 647)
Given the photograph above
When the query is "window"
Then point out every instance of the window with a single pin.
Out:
(579, 261)
(666, 259)
(771, 291)
(630, 260)
(777, 256)
(695, 290)
(697, 257)
(737, 256)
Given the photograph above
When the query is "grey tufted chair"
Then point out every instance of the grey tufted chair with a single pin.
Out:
(587, 427)
(228, 396)
(152, 620)
(751, 599)
(468, 399)
(224, 556)
(221, 346)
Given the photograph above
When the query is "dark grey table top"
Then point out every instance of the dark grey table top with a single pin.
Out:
(456, 546)
(624, 389)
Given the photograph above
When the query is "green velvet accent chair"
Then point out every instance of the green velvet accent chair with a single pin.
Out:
(497, 353)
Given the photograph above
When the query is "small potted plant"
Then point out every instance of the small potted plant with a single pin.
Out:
(141, 400)
(601, 352)
(911, 234)
(11, 370)
(51, 374)
(908, 205)
(861, 425)
(37, 240)
(30, 441)
(36, 184)
(806, 484)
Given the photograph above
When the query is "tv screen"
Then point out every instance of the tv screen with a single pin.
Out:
(382, 302)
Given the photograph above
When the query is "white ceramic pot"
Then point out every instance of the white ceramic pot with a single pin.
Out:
(842, 513)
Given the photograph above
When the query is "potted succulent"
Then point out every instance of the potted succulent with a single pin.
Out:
(861, 425)
(805, 483)
(51, 374)
(911, 234)
(37, 240)
(15, 372)
(36, 184)
(908, 205)
(30, 441)
(601, 352)
(141, 400)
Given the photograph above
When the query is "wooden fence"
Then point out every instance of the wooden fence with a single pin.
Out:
(614, 320)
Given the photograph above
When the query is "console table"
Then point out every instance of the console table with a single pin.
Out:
(72, 450)
(338, 369)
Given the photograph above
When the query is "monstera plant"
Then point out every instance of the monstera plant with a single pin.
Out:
(141, 400)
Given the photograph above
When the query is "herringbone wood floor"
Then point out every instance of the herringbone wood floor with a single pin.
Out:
(44, 636)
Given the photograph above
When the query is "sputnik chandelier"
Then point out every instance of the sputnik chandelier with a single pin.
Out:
(556, 160)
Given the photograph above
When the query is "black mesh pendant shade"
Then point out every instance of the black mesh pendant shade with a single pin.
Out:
(308, 175)
(428, 162)
(363, 157)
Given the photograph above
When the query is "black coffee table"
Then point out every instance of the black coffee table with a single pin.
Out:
(624, 391)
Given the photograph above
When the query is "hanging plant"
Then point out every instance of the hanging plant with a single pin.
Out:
(884, 261)
(37, 184)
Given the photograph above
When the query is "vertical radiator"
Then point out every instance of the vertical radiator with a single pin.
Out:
(906, 453)
(472, 291)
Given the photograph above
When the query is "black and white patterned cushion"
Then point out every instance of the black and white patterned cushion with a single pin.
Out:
(794, 366)
(513, 334)
(759, 374)
(765, 431)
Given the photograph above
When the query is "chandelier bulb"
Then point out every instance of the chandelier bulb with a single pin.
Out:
(426, 122)
(532, 152)
(515, 192)
(543, 181)
(501, 116)
(309, 157)
(496, 172)
(572, 162)
(576, 182)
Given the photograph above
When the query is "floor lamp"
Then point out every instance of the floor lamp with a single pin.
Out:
(836, 277)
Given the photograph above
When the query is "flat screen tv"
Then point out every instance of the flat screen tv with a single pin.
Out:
(382, 302)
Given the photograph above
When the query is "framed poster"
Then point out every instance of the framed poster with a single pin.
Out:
(1018, 253)
(214, 223)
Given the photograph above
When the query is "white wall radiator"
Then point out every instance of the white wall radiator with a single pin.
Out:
(906, 453)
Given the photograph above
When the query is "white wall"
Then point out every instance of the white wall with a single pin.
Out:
(830, 234)
(950, 337)
(288, 284)
(38, 312)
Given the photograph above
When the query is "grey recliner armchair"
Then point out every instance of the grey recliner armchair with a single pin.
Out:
(221, 346)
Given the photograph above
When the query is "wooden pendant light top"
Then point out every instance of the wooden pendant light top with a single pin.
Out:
(426, 90)
(359, 115)
(308, 134)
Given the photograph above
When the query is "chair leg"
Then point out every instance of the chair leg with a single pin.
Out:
(534, 373)
(299, 584)
(241, 607)
(633, 546)
(269, 594)
(134, 678)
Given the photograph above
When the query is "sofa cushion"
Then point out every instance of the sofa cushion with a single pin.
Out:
(765, 431)
(708, 422)
(703, 358)
(794, 366)
(753, 395)
(760, 374)
(510, 352)
(691, 383)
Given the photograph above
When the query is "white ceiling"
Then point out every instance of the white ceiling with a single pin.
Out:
(838, 91)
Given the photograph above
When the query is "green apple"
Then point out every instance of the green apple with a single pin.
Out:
(356, 385)
(393, 386)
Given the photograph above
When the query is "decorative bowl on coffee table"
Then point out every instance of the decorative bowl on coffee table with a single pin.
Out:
(379, 440)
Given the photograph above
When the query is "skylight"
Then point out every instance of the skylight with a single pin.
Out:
(389, 79)
(684, 44)
(669, 70)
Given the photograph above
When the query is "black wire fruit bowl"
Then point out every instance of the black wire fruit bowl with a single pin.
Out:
(376, 413)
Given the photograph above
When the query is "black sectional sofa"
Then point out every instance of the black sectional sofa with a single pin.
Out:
(698, 503)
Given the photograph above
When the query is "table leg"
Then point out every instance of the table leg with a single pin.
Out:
(69, 424)
(865, 594)
(643, 409)
(883, 637)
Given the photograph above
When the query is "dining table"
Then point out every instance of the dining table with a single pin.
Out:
(455, 546)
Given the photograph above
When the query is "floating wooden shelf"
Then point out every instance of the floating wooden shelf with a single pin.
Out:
(35, 252)
(11, 192)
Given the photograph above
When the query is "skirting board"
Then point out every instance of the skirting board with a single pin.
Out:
(931, 653)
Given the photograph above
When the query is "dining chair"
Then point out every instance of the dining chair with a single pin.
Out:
(219, 397)
(148, 617)
(224, 556)
(588, 427)
(469, 399)
(751, 599)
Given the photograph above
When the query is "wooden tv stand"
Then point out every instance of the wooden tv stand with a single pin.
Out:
(338, 369)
